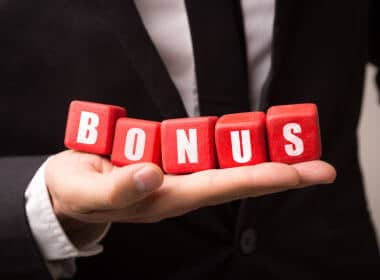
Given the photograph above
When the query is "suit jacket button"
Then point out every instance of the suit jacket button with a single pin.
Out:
(248, 241)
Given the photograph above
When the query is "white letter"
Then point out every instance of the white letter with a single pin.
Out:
(296, 148)
(135, 144)
(87, 133)
(246, 145)
(187, 146)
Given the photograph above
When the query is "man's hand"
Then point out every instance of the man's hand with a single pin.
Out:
(87, 191)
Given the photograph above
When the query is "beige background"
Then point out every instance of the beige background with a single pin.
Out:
(369, 132)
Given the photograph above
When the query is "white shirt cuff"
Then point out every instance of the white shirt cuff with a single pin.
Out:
(47, 231)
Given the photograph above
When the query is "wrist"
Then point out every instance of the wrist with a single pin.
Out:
(80, 233)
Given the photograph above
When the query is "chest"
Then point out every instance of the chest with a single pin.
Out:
(101, 54)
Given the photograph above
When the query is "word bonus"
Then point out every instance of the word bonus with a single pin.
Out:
(287, 134)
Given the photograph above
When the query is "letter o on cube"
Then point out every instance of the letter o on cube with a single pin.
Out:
(136, 141)
(90, 126)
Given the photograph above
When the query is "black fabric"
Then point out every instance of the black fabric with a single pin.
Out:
(145, 59)
(19, 255)
(53, 51)
(220, 56)
(374, 38)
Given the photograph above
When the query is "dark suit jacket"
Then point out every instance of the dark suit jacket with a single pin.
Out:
(54, 51)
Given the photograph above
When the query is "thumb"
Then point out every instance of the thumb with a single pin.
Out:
(120, 187)
(132, 183)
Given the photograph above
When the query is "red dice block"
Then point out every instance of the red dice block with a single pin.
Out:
(293, 133)
(136, 141)
(241, 139)
(90, 126)
(188, 144)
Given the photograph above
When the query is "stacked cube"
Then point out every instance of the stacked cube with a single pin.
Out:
(290, 133)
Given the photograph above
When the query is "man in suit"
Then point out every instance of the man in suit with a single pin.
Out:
(56, 51)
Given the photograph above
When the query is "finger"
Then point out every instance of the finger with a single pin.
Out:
(310, 173)
(250, 181)
(116, 189)
(217, 186)
(313, 172)
(181, 194)
(186, 193)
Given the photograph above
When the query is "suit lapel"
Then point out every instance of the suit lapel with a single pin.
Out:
(307, 37)
(126, 21)
(219, 49)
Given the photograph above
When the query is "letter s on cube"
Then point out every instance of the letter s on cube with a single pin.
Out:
(241, 139)
(294, 133)
(136, 141)
(90, 126)
(188, 144)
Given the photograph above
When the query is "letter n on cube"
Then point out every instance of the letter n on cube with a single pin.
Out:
(188, 144)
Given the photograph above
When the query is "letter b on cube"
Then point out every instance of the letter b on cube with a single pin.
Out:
(90, 126)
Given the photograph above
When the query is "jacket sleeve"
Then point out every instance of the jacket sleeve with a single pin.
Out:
(19, 254)
(374, 38)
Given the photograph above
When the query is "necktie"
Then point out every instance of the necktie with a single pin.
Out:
(221, 65)
(220, 56)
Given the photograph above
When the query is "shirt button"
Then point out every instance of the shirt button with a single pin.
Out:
(248, 241)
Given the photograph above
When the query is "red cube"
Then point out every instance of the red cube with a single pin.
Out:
(188, 144)
(241, 139)
(293, 133)
(90, 126)
(136, 141)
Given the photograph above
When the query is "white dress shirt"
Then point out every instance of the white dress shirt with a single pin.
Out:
(167, 24)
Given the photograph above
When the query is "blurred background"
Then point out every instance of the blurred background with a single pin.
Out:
(369, 137)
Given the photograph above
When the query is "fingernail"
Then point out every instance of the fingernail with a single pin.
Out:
(147, 179)
(328, 182)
